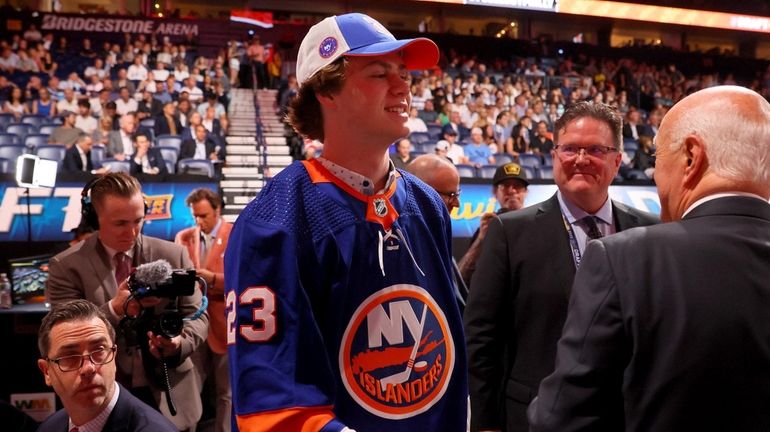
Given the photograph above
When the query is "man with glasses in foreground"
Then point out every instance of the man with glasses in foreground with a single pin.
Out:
(77, 346)
(520, 289)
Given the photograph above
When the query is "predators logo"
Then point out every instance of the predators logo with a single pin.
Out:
(397, 353)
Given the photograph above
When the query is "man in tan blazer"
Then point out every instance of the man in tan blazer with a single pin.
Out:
(91, 270)
(206, 242)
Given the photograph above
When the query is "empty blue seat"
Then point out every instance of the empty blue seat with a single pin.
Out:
(148, 123)
(117, 166)
(419, 137)
(529, 160)
(47, 129)
(170, 155)
(545, 172)
(6, 166)
(502, 158)
(34, 120)
(169, 141)
(466, 171)
(9, 138)
(54, 152)
(196, 166)
(6, 119)
(434, 131)
(35, 140)
(487, 171)
(529, 171)
(98, 154)
(20, 129)
(12, 151)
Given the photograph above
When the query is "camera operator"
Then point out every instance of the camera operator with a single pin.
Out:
(96, 270)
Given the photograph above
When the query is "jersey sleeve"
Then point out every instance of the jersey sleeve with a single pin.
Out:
(280, 373)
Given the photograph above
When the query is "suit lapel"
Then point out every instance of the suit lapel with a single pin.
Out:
(101, 263)
(218, 245)
(624, 219)
(556, 235)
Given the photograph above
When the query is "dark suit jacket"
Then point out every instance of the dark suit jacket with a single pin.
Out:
(129, 415)
(668, 328)
(84, 271)
(516, 308)
(162, 127)
(187, 150)
(73, 163)
(156, 160)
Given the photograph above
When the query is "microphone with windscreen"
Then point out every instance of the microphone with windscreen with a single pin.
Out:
(159, 279)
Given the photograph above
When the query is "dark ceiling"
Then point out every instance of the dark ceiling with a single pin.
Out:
(749, 7)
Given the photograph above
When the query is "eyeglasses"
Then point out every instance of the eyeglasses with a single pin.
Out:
(451, 195)
(75, 362)
(570, 151)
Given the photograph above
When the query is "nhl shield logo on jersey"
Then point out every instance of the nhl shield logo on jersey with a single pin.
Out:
(380, 208)
(397, 353)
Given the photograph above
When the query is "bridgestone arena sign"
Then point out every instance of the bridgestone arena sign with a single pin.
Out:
(53, 22)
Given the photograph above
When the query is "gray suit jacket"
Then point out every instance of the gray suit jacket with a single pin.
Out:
(516, 308)
(668, 329)
(114, 144)
(84, 271)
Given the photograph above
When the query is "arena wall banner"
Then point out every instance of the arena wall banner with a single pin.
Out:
(56, 211)
(477, 199)
(106, 24)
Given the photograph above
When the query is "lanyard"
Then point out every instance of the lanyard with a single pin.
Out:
(576, 255)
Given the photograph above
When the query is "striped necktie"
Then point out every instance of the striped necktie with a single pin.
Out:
(593, 229)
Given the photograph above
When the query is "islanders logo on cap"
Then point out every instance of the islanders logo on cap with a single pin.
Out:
(397, 353)
(512, 169)
(328, 47)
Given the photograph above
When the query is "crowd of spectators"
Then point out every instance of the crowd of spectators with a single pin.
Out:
(115, 92)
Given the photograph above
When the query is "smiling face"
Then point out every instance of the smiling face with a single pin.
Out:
(584, 179)
(84, 392)
(375, 98)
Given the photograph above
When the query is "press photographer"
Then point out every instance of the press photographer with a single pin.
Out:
(97, 270)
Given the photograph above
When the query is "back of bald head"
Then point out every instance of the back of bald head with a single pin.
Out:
(429, 167)
(734, 124)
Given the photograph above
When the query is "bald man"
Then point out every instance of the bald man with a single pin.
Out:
(667, 325)
(440, 174)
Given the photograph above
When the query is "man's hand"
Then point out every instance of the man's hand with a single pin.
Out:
(120, 156)
(484, 224)
(134, 306)
(207, 275)
(161, 346)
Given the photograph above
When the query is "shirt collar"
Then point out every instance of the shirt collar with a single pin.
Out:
(573, 213)
(360, 183)
(98, 422)
(719, 195)
(215, 231)
(112, 251)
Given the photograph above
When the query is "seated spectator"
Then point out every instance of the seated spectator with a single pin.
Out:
(15, 105)
(167, 123)
(69, 102)
(415, 123)
(47, 64)
(95, 86)
(455, 151)
(137, 71)
(160, 73)
(123, 81)
(184, 109)
(44, 105)
(632, 126)
(477, 150)
(541, 144)
(121, 144)
(644, 159)
(200, 147)
(456, 125)
(78, 157)
(73, 82)
(148, 107)
(87, 51)
(84, 120)
(211, 121)
(428, 114)
(102, 133)
(441, 150)
(148, 84)
(194, 93)
(33, 34)
(9, 61)
(402, 156)
(146, 159)
(97, 69)
(32, 90)
(211, 101)
(125, 103)
(501, 132)
(26, 63)
(66, 134)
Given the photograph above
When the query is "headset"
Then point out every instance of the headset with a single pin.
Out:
(87, 210)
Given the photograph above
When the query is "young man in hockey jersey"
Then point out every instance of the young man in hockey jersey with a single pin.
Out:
(341, 314)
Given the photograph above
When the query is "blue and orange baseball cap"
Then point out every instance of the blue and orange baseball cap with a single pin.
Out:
(356, 34)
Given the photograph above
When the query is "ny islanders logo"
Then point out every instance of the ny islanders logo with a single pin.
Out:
(397, 353)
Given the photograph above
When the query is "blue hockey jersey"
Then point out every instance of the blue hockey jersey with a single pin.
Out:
(340, 309)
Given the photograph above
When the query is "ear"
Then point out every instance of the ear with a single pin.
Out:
(326, 100)
(697, 161)
(43, 366)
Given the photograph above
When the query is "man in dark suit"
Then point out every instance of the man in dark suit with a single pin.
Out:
(168, 123)
(667, 328)
(520, 289)
(146, 160)
(78, 157)
(96, 270)
(200, 146)
(77, 346)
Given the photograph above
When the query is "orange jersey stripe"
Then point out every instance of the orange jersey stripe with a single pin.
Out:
(310, 419)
